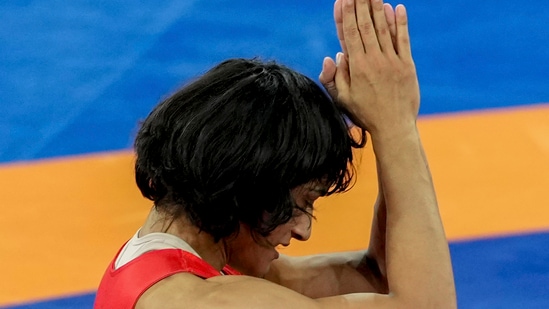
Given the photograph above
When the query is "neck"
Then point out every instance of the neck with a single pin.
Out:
(203, 243)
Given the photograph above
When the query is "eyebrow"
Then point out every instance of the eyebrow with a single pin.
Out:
(322, 191)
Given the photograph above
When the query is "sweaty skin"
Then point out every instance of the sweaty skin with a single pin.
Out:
(407, 264)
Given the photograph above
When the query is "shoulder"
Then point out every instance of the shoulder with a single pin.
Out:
(185, 289)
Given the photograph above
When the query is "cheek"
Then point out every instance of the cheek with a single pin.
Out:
(249, 257)
(282, 232)
(253, 260)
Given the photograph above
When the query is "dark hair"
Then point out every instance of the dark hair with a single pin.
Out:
(228, 147)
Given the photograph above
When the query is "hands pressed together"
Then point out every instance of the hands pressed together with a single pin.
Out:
(374, 79)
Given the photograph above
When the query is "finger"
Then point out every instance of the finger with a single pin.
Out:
(343, 83)
(327, 77)
(366, 26)
(381, 26)
(338, 17)
(353, 40)
(403, 37)
(391, 22)
(342, 79)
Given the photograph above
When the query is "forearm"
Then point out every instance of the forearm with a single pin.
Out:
(372, 264)
(376, 248)
(417, 255)
(328, 274)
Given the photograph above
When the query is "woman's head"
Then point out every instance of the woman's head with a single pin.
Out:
(229, 147)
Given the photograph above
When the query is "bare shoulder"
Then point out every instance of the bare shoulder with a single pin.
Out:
(186, 290)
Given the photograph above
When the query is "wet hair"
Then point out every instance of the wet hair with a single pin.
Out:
(228, 147)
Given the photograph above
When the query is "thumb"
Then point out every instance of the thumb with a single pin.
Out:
(327, 77)
(342, 79)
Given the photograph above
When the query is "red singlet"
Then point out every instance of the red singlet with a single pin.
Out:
(121, 288)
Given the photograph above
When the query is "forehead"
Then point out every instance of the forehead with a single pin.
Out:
(311, 187)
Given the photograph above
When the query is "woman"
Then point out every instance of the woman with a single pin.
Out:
(235, 160)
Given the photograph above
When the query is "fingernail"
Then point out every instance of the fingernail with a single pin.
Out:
(338, 58)
(401, 10)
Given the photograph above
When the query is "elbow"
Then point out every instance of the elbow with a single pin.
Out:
(375, 273)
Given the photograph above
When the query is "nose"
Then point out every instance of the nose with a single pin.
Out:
(302, 228)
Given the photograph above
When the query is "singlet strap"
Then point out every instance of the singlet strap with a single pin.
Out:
(127, 283)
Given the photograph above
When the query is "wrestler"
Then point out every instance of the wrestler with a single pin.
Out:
(234, 162)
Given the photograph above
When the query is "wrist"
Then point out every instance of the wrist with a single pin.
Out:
(395, 143)
(392, 132)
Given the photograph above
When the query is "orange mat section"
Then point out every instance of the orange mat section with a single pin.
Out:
(63, 220)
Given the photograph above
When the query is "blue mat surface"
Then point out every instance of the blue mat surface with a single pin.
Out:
(77, 76)
(503, 273)
(72, 302)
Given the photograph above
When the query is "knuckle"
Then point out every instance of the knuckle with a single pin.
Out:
(405, 40)
(329, 85)
(349, 6)
(351, 32)
(383, 31)
(378, 6)
(365, 27)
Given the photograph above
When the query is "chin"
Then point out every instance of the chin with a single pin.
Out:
(252, 259)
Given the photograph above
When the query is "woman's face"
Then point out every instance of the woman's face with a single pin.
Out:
(252, 256)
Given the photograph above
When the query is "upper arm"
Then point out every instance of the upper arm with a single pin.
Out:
(187, 291)
(327, 275)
